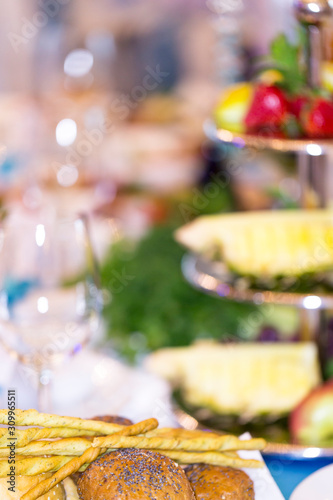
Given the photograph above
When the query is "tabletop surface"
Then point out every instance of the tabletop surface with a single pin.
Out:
(93, 378)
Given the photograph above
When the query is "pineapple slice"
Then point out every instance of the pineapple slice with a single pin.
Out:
(241, 379)
(265, 244)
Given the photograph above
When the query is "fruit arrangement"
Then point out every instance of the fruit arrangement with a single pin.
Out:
(279, 103)
(246, 380)
(272, 249)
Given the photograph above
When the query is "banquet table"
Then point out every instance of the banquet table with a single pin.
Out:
(101, 384)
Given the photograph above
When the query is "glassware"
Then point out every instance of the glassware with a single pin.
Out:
(49, 297)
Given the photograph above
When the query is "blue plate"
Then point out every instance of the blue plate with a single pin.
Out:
(290, 465)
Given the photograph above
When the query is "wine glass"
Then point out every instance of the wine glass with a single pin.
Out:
(49, 298)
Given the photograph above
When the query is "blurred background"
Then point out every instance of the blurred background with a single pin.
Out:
(103, 106)
(103, 111)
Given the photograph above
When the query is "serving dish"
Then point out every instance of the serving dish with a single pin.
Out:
(282, 451)
(310, 146)
(214, 278)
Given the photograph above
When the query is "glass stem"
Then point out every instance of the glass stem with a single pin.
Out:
(45, 390)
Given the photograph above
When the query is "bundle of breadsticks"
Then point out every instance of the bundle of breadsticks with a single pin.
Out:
(66, 445)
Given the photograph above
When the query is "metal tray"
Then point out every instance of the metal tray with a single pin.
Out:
(214, 278)
(313, 147)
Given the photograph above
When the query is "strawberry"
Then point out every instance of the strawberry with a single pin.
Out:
(297, 104)
(267, 111)
(318, 120)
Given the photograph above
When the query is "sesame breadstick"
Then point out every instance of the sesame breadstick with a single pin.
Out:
(33, 417)
(25, 436)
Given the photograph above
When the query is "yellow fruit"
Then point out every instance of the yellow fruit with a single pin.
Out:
(233, 107)
(242, 379)
(267, 243)
(327, 75)
(270, 76)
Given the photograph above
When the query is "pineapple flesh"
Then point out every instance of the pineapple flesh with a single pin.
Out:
(265, 244)
(241, 379)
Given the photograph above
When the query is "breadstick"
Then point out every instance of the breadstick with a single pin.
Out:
(170, 432)
(77, 446)
(67, 446)
(66, 470)
(33, 466)
(88, 456)
(233, 454)
(220, 443)
(25, 436)
(184, 434)
(33, 417)
(17, 457)
(70, 446)
(212, 458)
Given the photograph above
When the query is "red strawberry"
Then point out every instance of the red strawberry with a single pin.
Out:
(318, 121)
(267, 111)
(297, 105)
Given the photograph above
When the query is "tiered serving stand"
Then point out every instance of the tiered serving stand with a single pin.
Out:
(313, 173)
(314, 177)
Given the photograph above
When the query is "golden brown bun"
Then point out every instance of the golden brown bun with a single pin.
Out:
(25, 483)
(109, 419)
(114, 419)
(134, 474)
(210, 482)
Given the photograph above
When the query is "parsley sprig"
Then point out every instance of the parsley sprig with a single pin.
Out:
(287, 58)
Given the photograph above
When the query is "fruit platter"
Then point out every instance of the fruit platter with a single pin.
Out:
(289, 250)
(287, 104)
(278, 103)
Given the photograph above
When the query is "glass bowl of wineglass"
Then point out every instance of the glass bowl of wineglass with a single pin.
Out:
(50, 301)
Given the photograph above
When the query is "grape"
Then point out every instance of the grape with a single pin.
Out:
(268, 334)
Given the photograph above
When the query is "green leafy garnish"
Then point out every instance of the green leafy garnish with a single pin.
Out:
(287, 59)
(152, 305)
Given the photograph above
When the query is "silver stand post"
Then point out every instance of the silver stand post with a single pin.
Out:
(313, 174)
(313, 165)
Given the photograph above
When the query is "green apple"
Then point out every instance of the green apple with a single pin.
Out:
(311, 422)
